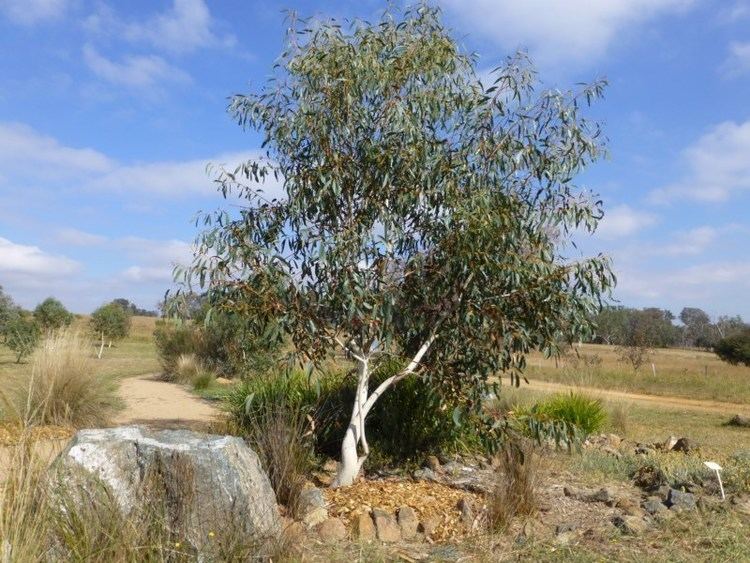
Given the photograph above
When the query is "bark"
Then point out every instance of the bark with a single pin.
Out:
(351, 461)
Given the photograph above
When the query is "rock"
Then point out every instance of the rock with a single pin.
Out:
(654, 506)
(628, 506)
(466, 507)
(311, 507)
(331, 530)
(205, 482)
(426, 474)
(330, 466)
(386, 527)
(683, 445)
(739, 420)
(364, 527)
(455, 469)
(429, 525)
(565, 528)
(669, 443)
(649, 478)
(433, 463)
(630, 525)
(601, 495)
(408, 522)
(678, 501)
(644, 449)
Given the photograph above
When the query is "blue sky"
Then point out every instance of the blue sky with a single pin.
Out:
(110, 112)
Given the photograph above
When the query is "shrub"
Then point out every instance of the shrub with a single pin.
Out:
(514, 493)
(735, 349)
(408, 422)
(173, 340)
(22, 336)
(51, 314)
(63, 388)
(222, 346)
(574, 409)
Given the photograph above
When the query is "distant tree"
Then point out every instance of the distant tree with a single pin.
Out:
(51, 315)
(735, 349)
(133, 309)
(8, 311)
(110, 322)
(21, 336)
(727, 326)
(698, 330)
(612, 325)
(184, 305)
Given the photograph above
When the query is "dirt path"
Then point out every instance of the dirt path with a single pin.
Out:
(153, 402)
(667, 401)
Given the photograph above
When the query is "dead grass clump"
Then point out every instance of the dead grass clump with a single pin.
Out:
(515, 493)
(187, 368)
(23, 510)
(63, 388)
(619, 418)
(281, 436)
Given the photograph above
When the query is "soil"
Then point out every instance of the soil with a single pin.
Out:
(152, 402)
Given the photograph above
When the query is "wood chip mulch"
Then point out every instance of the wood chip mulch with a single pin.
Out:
(12, 434)
(428, 499)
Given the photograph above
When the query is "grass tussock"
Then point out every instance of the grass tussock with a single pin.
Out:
(63, 387)
(280, 431)
(515, 493)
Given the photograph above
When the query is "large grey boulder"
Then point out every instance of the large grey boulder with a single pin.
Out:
(204, 484)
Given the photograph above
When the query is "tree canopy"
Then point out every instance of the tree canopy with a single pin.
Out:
(51, 314)
(111, 321)
(424, 214)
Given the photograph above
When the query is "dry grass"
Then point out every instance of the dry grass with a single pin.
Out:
(279, 435)
(515, 492)
(62, 388)
(694, 374)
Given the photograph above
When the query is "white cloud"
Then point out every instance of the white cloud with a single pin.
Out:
(622, 221)
(692, 242)
(718, 165)
(75, 237)
(30, 12)
(185, 27)
(139, 72)
(179, 178)
(738, 61)
(157, 258)
(24, 149)
(28, 154)
(559, 31)
(19, 260)
(737, 11)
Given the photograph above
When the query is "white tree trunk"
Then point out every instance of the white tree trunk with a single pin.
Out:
(351, 461)
(101, 348)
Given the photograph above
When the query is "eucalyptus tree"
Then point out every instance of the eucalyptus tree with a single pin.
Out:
(110, 322)
(423, 215)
